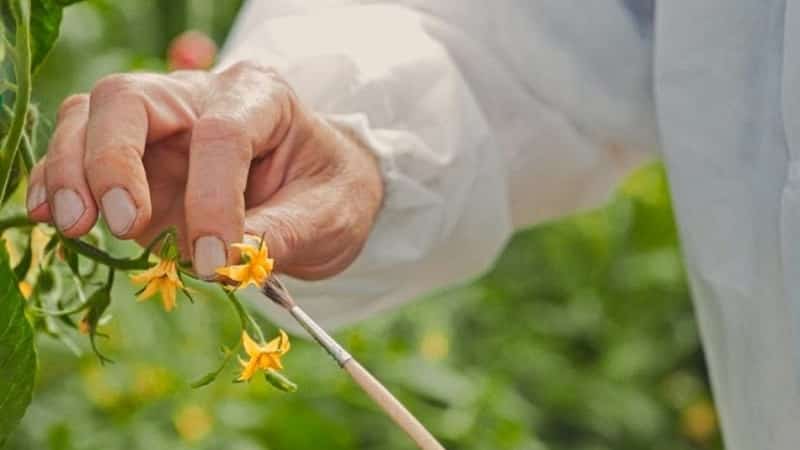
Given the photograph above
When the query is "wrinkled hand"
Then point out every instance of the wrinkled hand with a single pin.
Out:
(215, 155)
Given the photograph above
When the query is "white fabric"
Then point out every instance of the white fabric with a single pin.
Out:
(491, 116)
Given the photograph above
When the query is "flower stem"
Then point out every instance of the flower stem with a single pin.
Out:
(94, 253)
(18, 221)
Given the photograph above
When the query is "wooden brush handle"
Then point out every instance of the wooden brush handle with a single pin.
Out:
(393, 408)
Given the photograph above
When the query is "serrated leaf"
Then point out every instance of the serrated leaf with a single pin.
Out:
(17, 351)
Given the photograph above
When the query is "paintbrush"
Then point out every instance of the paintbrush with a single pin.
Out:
(277, 292)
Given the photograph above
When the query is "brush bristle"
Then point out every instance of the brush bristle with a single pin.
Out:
(274, 290)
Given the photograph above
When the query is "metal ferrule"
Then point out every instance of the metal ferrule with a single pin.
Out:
(325, 340)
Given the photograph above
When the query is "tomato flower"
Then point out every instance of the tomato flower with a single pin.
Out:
(256, 267)
(162, 278)
(264, 357)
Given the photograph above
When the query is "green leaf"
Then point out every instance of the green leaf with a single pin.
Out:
(98, 303)
(45, 22)
(17, 351)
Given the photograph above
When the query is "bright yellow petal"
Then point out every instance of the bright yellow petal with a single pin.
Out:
(149, 290)
(270, 361)
(284, 345)
(250, 346)
(171, 272)
(142, 277)
(263, 252)
(168, 294)
(238, 273)
(156, 271)
(259, 274)
(249, 369)
(272, 346)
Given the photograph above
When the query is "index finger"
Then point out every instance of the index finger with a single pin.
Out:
(126, 112)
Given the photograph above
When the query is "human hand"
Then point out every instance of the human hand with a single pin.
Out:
(215, 155)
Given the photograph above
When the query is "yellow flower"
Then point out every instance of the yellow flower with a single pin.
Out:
(162, 278)
(25, 289)
(263, 357)
(256, 268)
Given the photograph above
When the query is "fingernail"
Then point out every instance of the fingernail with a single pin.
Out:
(36, 196)
(118, 210)
(209, 255)
(68, 208)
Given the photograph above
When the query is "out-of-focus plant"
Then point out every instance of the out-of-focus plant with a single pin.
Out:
(51, 283)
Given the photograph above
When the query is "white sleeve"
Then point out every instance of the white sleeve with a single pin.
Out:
(447, 167)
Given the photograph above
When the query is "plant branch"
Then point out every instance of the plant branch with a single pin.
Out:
(22, 100)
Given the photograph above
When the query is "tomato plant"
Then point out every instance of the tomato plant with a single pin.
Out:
(50, 283)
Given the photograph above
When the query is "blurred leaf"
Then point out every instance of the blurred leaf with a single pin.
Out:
(17, 352)
(45, 23)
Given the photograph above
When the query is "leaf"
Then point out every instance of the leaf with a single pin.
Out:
(17, 351)
(45, 22)
(98, 303)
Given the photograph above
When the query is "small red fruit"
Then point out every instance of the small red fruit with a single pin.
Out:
(191, 50)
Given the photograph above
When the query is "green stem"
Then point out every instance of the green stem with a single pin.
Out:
(19, 221)
(7, 85)
(237, 305)
(28, 158)
(94, 253)
(23, 98)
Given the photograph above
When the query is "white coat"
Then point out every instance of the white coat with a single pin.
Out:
(491, 116)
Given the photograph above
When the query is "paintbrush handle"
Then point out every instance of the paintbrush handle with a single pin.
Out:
(393, 408)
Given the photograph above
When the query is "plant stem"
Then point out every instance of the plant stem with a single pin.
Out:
(94, 253)
(21, 102)
(18, 221)
(243, 317)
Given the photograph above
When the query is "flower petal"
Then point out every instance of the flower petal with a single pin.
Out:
(238, 273)
(148, 291)
(270, 361)
(284, 345)
(250, 346)
(249, 369)
(167, 294)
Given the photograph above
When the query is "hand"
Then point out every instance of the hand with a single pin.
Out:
(215, 155)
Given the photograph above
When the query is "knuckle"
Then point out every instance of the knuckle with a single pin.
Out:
(56, 161)
(70, 104)
(222, 132)
(111, 162)
(247, 67)
(114, 85)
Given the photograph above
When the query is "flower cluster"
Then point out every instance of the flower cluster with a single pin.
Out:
(165, 279)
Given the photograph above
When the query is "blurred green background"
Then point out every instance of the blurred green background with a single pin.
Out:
(581, 338)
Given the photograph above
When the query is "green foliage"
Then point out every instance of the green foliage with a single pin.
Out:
(45, 21)
(17, 354)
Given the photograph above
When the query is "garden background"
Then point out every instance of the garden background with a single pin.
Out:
(581, 338)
